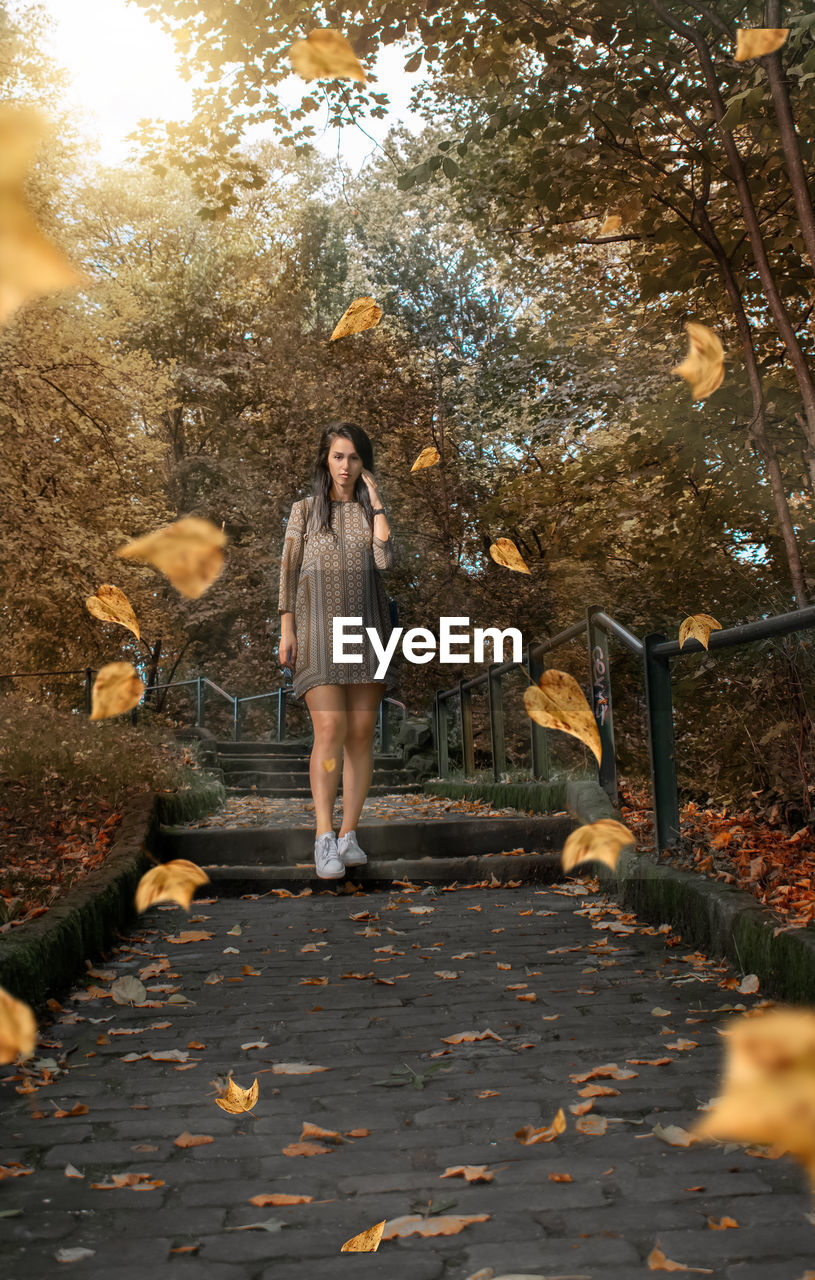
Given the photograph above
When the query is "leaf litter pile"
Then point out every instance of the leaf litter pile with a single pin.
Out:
(499, 1084)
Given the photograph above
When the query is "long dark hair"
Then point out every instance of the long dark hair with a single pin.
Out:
(321, 483)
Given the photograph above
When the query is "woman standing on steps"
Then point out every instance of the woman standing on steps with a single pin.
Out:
(337, 542)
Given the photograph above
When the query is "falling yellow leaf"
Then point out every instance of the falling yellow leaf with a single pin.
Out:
(472, 1172)
(755, 42)
(363, 313)
(236, 1099)
(366, 1241)
(186, 1139)
(174, 881)
(442, 1225)
(325, 54)
(427, 458)
(116, 689)
(658, 1262)
(558, 702)
(112, 605)
(698, 627)
(612, 223)
(504, 552)
(18, 1028)
(547, 1133)
(599, 841)
(188, 552)
(703, 366)
(29, 263)
(328, 765)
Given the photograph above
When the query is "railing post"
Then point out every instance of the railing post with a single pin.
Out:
(281, 714)
(499, 747)
(235, 714)
(465, 697)
(659, 715)
(441, 735)
(600, 681)
(541, 764)
(200, 712)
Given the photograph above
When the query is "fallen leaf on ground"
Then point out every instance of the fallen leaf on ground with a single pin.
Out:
(591, 1124)
(278, 1197)
(366, 1241)
(445, 1225)
(472, 1172)
(658, 1262)
(721, 1224)
(546, 1133)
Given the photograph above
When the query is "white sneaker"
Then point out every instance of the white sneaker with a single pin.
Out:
(349, 850)
(328, 863)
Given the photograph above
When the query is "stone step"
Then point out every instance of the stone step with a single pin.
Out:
(246, 779)
(304, 793)
(288, 762)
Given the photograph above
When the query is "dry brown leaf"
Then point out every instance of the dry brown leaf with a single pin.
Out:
(144, 1180)
(186, 1139)
(78, 1109)
(314, 1131)
(363, 313)
(328, 765)
(598, 1091)
(748, 985)
(236, 1099)
(581, 1108)
(755, 42)
(188, 552)
(658, 1262)
(29, 263)
(18, 1028)
(13, 1170)
(449, 974)
(703, 367)
(190, 935)
(174, 881)
(278, 1197)
(560, 1177)
(461, 1036)
(558, 702)
(721, 1224)
(116, 689)
(698, 627)
(674, 1135)
(110, 604)
(366, 1241)
(325, 54)
(591, 1124)
(296, 1068)
(599, 841)
(442, 1225)
(612, 223)
(427, 458)
(608, 1071)
(505, 553)
(472, 1172)
(305, 1149)
(547, 1133)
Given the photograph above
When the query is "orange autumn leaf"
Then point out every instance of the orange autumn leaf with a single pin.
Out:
(278, 1197)
(367, 1241)
(504, 552)
(427, 458)
(472, 1172)
(580, 1108)
(599, 841)
(174, 881)
(357, 1133)
(314, 1131)
(186, 1139)
(598, 1091)
(188, 552)
(461, 1036)
(110, 604)
(236, 1099)
(444, 1225)
(363, 313)
(558, 702)
(305, 1149)
(721, 1224)
(591, 1124)
(560, 1177)
(698, 627)
(190, 935)
(658, 1262)
(128, 1180)
(608, 1070)
(547, 1133)
(78, 1109)
(489, 1093)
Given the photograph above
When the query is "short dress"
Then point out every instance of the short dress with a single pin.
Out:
(323, 577)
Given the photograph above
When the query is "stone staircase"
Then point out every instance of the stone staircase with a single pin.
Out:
(445, 848)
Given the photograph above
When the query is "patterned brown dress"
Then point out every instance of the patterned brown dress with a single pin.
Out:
(323, 577)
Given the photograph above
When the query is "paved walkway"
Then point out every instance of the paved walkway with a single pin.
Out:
(360, 984)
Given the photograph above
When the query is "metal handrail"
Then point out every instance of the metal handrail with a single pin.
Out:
(654, 650)
(201, 683)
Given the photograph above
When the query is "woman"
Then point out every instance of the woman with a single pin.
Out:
(337, 541)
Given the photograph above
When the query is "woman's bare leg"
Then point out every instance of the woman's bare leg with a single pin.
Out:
(326, 706)
(362, 708)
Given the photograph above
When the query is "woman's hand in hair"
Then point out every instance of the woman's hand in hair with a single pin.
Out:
(371, 483)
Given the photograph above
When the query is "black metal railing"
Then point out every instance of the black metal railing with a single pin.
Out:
(201, 684)
(655, 651)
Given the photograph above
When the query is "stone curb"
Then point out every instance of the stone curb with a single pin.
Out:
(721, 920)
(43, 957)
